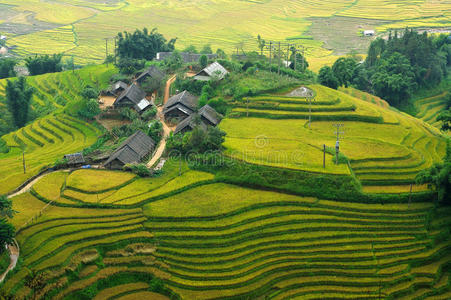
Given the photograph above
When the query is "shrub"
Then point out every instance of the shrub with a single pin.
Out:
(89, 92)
(128, 114)
(120, 77)
(89, 109)
(139, 169)
(149, 114)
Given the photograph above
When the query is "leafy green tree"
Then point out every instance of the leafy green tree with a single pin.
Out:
(219, 104)
(221, 54)
(142, 44)
(89, 109)
(18, 99)
(44, 64)
(261, 44)
(129, 66)
(6, 207)
(327, 77)
(190, 49)
(394, 79)
(301, 61)
(7, 67)
(174, 62)
(35, 281)
(343, 69)
(206, 50)
(203, 61)
(445, 118)
(439, 177)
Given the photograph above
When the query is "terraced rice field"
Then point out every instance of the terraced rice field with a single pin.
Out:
(41, 144)
(83, 25)
(383, 146)
(54, 90)
(429, 108)
(215, 240)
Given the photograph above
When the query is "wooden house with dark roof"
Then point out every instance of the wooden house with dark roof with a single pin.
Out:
(151, 72)
(133, 150)
(134, 97)
(180, 106)
(206, 116)
(213, 70)
(75, 159)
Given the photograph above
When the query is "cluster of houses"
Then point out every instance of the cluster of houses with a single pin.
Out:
(180, 110)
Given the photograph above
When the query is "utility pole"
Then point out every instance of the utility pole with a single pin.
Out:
(288, 55)
(23, 162)
(278, 58)
(337, 144)
(310, 111)
(106, 51)
(295, 57)
(73, 64)
(270, 55)
(324, 156)
(115, 50)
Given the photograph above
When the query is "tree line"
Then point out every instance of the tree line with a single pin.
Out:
(394, 68)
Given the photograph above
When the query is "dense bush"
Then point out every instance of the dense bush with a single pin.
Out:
(88, 109)
(89, 92)
(196, 141)
(139, 169)
(18, 100)
(44, 64)
(7, 67)
(120, 77)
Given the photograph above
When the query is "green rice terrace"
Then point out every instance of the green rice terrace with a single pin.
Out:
(266, 221)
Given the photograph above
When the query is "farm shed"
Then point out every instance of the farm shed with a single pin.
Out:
(206, 116)
(186, 57)
(116, 89)
(151, 72)
(133, 96)
(180, 106)
(133, 150)
(214, 69)
(75, 159)
(368, 32)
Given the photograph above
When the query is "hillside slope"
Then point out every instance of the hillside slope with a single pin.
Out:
(382, 146)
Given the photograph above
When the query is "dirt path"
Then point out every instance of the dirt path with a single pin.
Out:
(27, 187)
(166, 129)
(13, 256)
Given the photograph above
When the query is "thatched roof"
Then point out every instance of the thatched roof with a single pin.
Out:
(184, 98)
(133, 149)
(132, 93)
(214, 69)
(207, 116)
(75, 158)
(153, 72)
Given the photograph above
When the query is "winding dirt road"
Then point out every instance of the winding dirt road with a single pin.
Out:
(166, 129)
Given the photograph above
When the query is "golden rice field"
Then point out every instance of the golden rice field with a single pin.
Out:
(82, 26)
(211, 240)
(382, 146)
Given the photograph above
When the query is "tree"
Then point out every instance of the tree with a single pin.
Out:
(142, 44)
(89, 109)
(129, 66)
(221, 54)
(151, 84)
(7, 67)
(44, 64)
(6, 207)
(439, 177)
(190, 49)
(174, 62)
(297, 59)
(261, 44)
(343, 69)
(18, 98)
(203, 61)
(206, 50)
(326, 77)
(445, 118)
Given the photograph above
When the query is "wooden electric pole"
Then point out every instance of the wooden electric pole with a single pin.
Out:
(23, 162)
(324, 156)
(337, 144)
(278, 58)
(270, 55)
(106, 51)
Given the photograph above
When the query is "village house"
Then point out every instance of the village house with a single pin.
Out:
(134, 97)
(368, 32)
(151, 72)
(116, 89)
(186, 57)
(180, 106)
(206, 116)
(213, 70)
(75, 159)
(134, 149)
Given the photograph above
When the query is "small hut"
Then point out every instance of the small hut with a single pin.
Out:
(134, 97)
(151, 72)
(75, 159)
(180, 106)
(213, 70)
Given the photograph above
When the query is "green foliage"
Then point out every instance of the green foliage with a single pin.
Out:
(127, 113)
(89, 108)
(203, 61)
(174, 62)
(89, 92)
(219, 104)
(197, 140)
(343, 69)
(35, 281)
(139, 169)
(206, 50)
(120, 77)
(439, 177)
(7, 233)
(18, 98)
(445, 118)
(155, 130)
(327, 77)
(142, 44)
(149, 114)
(129, 66)
(7, 67)
(152, 84)
(44, 64)
(6, 207)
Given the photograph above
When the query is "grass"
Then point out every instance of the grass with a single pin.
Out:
(95, 181)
